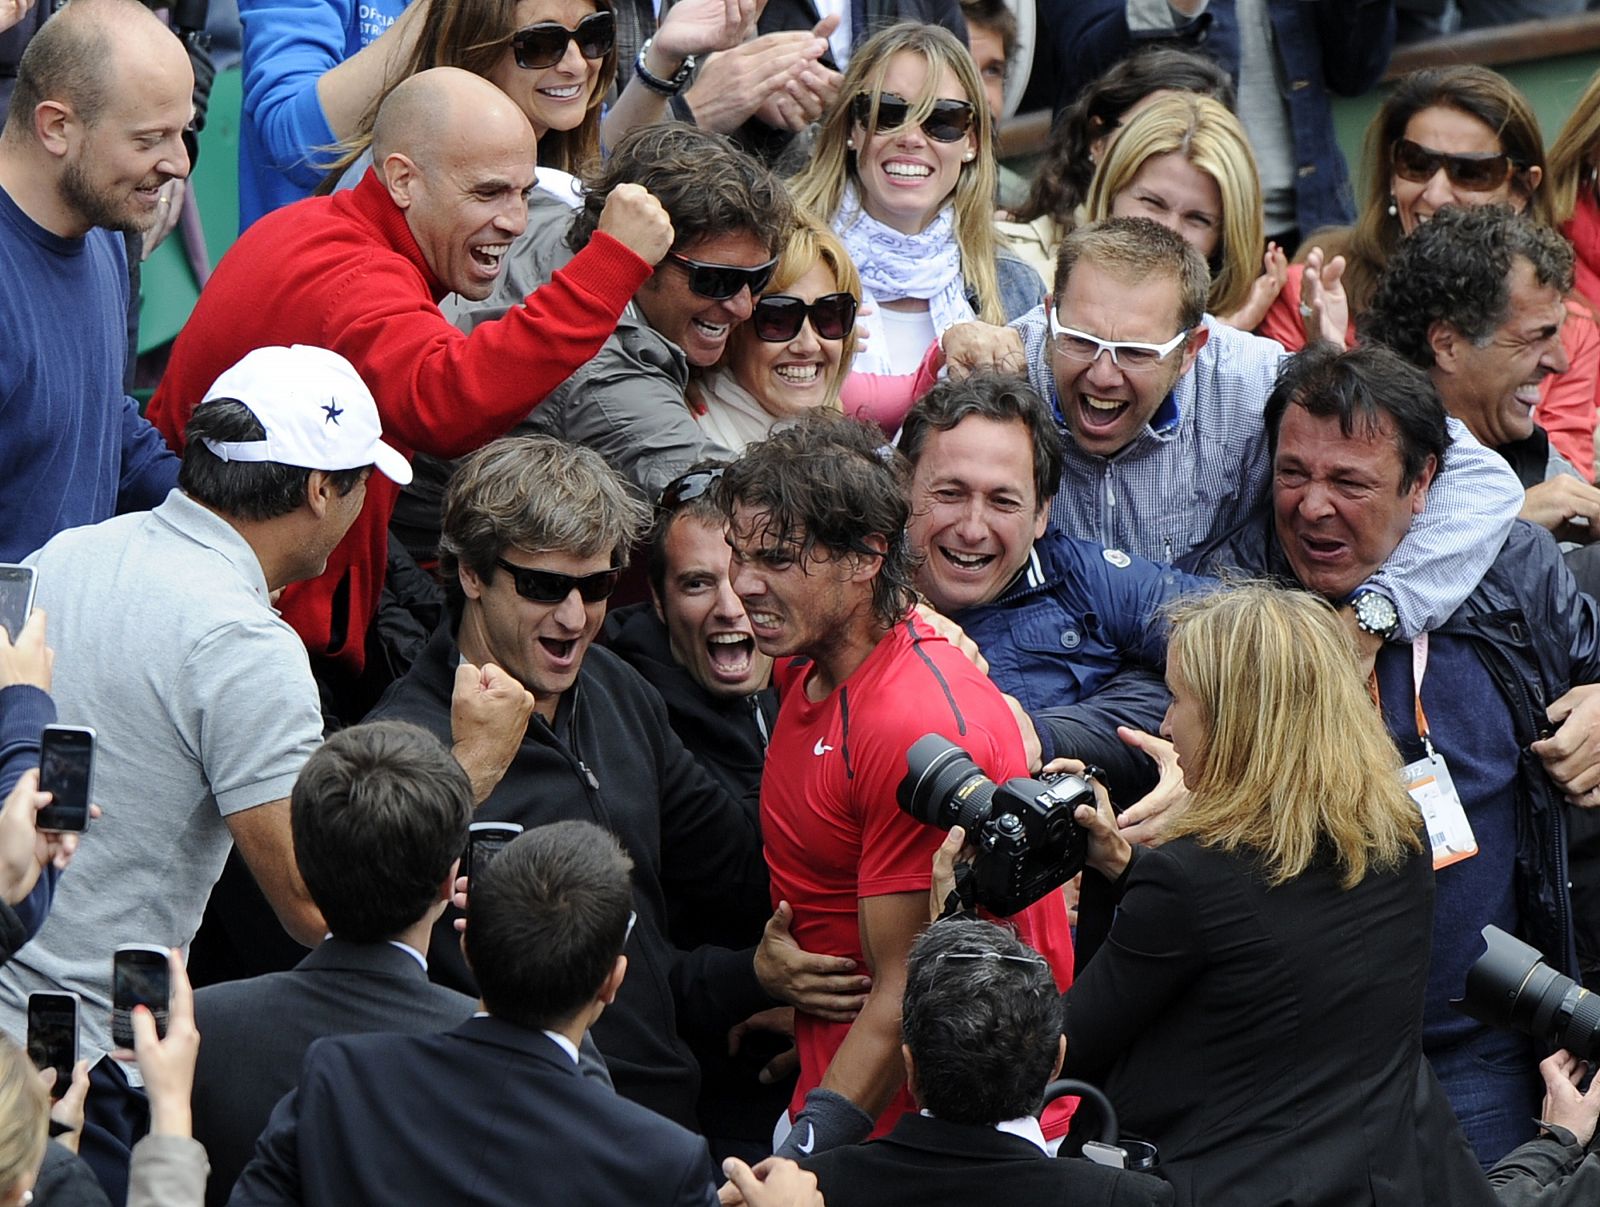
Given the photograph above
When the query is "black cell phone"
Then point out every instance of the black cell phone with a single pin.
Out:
(53, 1036)
(16, 597)
(485, 840)
(139, 977)
(66, 771)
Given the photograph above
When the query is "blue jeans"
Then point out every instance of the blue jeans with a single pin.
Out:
(1492, 1081)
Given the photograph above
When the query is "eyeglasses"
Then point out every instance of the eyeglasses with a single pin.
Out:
(948, 121)
(1127, 355)
(633, 917)
(1475, 173)
(722, 281)
(778, 317)
(547, 586)
(992, 957)
(545, 44)
(688, 487)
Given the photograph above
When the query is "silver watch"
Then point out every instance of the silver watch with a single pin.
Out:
(1375, 614)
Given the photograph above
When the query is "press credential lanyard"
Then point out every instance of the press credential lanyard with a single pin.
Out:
(1428, 779)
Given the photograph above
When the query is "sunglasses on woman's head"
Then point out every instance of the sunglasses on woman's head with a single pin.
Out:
(548, 586)
(1475, 173)
(778, 317)
(719, 282)
(544, 45)
(948, 121)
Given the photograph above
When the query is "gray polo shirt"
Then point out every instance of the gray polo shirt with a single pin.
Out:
(204, 704)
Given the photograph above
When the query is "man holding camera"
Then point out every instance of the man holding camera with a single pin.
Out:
(817, 519)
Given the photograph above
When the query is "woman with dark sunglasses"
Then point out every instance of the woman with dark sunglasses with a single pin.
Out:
(1446, 136)
(903, 170)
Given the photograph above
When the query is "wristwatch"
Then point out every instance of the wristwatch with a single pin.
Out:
(1375, 614)
(655, 83)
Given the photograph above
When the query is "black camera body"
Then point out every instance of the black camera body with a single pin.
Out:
(1027, 840)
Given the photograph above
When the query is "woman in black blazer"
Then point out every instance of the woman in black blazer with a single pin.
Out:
(1256, 1008)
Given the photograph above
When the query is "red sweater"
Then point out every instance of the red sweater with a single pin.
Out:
(343, 272)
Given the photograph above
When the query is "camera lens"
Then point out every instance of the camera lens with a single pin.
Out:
(943, 787)
(1511, 986)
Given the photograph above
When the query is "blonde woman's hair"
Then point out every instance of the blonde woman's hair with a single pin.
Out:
(24, 1116)
(1206, 134)
(1572, 155)
(811, 243)
(1294, 762)
(820, 185)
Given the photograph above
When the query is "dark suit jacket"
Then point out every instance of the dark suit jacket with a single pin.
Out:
(256, 1033)
(926, 1161)
(482, 1116)
(1267, 1040)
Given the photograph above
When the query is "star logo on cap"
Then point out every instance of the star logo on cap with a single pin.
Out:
(333, 410)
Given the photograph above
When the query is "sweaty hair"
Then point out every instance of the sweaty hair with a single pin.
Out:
(1213, 142)
(1061, 183)
(995, 396)
(24, 1116)
(1359, 388)
(539, 494)
(982, 1017)
(1134, 250)
(831, 484)
(547, 920)
(1294, 762)
(1456, 268)
(1475, 91)
(245, 490)
(707, 185)
(379, 813)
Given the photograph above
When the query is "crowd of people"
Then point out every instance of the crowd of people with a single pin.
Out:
(625, 440)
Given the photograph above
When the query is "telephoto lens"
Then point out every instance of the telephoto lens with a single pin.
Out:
(1511, 986)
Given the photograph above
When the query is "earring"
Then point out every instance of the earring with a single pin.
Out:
(1394, 208)
(969, 157)
(850, 143)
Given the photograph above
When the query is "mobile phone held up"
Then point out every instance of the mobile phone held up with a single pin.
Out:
(485, 840)
(139, 977)
(66, 771)
(16, 598)
(53, 1036)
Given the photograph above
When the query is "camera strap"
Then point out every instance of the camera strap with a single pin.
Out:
(961, 901)
(1428, 779)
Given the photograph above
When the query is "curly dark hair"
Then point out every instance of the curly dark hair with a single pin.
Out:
(1456, 268)
(1061, 182)
(831, 483)
(707, 185)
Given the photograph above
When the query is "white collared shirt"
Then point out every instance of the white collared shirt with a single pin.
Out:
(1026, 1128)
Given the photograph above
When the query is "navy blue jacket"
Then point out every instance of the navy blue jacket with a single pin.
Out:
(1337, 46)
(1538, 635)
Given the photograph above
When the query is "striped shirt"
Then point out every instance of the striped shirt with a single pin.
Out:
(1199, 469)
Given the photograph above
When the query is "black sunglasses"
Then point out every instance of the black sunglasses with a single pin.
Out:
(545, 44)
(1476, 173)
(949, 120)
(547, 586)
(720, 282)
(778, 317)
(688, 487)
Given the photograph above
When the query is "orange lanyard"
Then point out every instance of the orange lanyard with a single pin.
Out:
(1419, 668)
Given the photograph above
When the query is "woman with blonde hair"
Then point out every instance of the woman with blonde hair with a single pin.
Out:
(1184, 161)
(1572, 183)
(24, 1124)
(1256, 1008)
(903, 170)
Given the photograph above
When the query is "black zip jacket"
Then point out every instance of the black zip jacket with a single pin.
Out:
(611, 759)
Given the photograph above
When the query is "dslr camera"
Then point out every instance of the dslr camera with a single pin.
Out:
(1027, 840)
(1511, 986)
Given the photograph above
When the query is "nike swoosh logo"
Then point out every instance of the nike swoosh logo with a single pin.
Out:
(811, 1132)
(819, 749)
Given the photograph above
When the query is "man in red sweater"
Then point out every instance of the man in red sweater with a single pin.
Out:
(361, 272)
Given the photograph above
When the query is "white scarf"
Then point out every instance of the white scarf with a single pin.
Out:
(734, 417)
(896, 265)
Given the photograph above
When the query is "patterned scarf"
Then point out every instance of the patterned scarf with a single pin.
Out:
(895, 265)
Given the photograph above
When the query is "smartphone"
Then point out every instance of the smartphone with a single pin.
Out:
(139, 977)
(485, 840)
(16, 597)
(66, 771)
(53, 1036)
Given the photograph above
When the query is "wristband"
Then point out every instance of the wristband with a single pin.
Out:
(661, 87)
(828, 1120)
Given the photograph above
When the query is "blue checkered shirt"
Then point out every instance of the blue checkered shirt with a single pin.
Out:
(1199, 469)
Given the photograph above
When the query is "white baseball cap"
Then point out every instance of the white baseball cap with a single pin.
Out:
(318, 412)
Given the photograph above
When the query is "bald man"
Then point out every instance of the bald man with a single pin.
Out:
(94, 130)
(362, 272)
